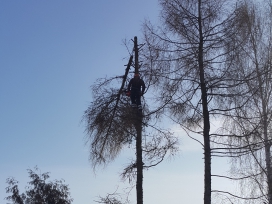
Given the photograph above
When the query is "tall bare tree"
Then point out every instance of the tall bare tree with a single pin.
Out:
(251, 124)
(186, 60)
(112, 125)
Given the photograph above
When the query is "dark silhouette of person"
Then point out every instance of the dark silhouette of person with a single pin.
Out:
(136, 87)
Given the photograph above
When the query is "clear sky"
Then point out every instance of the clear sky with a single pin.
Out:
(51, 52)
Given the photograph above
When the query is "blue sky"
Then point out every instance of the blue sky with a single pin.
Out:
(51, 52)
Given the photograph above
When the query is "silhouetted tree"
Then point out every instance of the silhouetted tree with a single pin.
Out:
(39, 191)
(112, 124)
(250, 125)
(186, 60)
(112, 198)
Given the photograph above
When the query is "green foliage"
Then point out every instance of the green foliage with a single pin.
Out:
(39, 191)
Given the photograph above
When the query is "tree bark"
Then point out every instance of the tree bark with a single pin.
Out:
(264, 121)
(139, 161)
(206, 128)
(138, 126)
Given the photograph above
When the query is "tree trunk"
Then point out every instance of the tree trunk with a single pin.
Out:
(206, 128)
(267, 143)
(138, 126)
(268, 161)
(139, 161)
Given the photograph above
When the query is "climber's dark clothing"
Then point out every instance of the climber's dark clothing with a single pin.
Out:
(136, 87)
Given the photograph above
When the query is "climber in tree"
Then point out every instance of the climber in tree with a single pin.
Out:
(136, 87)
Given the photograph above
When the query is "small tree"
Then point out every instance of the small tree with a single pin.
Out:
(40, 190)
(112, 198)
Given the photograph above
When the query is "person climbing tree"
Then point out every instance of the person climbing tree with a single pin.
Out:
(136, 87)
